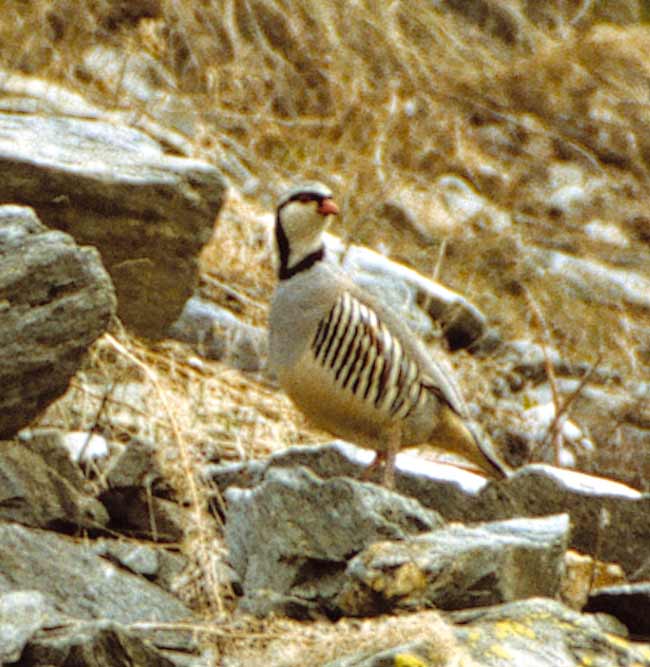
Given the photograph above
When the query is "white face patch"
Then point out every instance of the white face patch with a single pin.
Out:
(303, 226)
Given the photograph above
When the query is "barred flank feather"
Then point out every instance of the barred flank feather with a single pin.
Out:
(366, 359)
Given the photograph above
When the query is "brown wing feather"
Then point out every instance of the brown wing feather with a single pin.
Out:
(435, 378)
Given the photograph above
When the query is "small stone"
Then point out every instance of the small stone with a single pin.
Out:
(216, 333)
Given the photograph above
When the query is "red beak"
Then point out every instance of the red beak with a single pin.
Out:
(328, 207)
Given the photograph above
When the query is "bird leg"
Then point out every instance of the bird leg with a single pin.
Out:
(380, 457)
(394, 441)
(387, 457)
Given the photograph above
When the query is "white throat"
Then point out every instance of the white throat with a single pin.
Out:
(303, 227)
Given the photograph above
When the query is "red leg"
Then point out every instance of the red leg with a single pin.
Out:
(380, 457)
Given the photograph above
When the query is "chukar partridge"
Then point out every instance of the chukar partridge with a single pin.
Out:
(347, 361)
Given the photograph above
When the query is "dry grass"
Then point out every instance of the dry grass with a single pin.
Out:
(241, 240)
(169, 394)
(285, 643)
(375, 98)
(193, 412)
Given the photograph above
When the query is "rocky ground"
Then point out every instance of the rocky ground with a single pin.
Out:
(161, 503)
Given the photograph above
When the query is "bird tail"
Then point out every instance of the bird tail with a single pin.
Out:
(464, 437)
(496, 468)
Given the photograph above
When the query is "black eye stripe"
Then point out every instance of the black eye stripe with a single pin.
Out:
(308, 196)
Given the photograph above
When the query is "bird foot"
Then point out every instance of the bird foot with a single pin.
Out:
(388, 463)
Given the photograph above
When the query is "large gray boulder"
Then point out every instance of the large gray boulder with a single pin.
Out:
(290, 538)
(458, 567)
(111, 186)
(86, 587)
(303, 545)
(55, 300)
(608, 518)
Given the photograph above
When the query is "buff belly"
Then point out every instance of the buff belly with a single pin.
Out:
(342, 413)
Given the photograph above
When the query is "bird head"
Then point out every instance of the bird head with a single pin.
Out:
(303, 214)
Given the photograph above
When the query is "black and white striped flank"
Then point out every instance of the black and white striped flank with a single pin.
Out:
(367, 360)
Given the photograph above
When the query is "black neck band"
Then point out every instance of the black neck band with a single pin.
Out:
(304, 264)
(285, 271)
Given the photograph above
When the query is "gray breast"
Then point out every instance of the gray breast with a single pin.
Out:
(298, 305)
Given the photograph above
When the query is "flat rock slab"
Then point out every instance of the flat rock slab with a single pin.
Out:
(290, 538)
(56, 299)
(91, 644)
(22, 614)
(447, 489)
(458, 567)
(528, 633)
(84, 586)
(108, 185)
(608, 519)
(544, 633)
(593, 281)
(35, 493)
(629, 603)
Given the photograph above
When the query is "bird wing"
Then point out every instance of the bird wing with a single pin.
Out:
(362, 354)
(432, 374)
